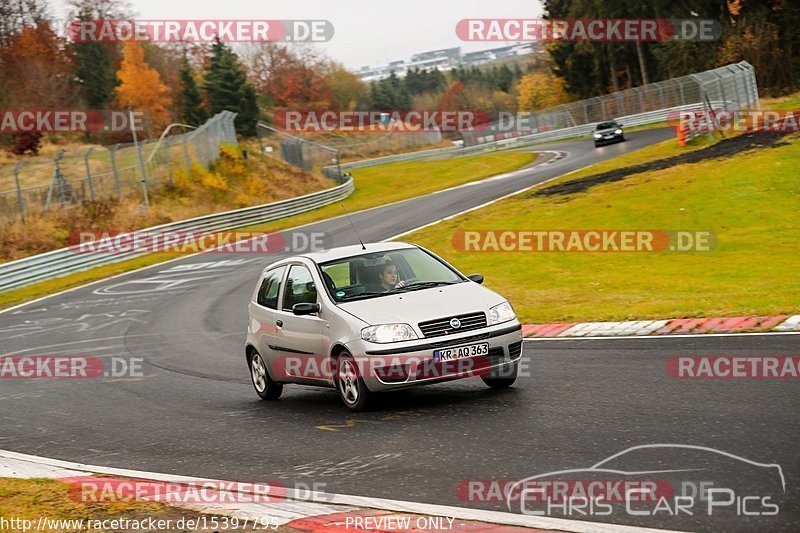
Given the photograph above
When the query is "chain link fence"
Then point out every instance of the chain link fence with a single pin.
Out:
(732, 87)
(36, 185)
(326, 158)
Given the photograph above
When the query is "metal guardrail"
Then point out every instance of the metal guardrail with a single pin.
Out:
(65, 261)
(640, 119)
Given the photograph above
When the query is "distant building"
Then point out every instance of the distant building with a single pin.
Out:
(445, 59)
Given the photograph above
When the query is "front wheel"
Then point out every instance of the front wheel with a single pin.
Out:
(352, 390)
(501, 378)
(263, 383)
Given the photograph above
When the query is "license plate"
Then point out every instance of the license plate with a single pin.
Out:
(459, 352)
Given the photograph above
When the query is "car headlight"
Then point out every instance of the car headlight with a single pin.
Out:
(501, 313)
(388, 333)
(618, 132)
(597, 135)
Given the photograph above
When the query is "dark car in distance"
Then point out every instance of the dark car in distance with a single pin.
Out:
(608, 132)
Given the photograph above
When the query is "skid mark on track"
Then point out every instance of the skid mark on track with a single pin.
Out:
(355, 466)
(353, 422)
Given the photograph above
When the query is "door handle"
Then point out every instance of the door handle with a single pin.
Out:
(279, 323)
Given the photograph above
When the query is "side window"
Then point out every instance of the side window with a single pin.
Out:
(299, 288)
(268, 293)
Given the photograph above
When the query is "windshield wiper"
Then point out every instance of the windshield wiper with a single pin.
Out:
(422, 285)
(359, 296)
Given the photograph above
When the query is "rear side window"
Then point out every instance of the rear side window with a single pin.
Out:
(270, 288)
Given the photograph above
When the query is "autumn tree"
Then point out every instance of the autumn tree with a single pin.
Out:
(18, 14)
(540, 90)
(289, 77)
(141, 87)
(34, 73)
(455, 98)
(345, 89)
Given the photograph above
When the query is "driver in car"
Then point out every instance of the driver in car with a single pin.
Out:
(388, 277)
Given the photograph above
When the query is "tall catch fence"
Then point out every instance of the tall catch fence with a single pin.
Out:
(38, 184)
(327, 157)
(731, 87)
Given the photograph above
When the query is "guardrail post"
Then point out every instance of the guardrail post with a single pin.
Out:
(20, 202)
(117, 183)
(89, 172)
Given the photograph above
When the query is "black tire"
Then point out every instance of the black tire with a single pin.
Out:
(265, 387)
(501, 380)
(352, 390)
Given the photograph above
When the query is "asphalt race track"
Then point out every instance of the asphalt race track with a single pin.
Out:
(194, 412)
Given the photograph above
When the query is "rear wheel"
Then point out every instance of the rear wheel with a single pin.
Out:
(501, 378)
(262, 382)
(352, 390)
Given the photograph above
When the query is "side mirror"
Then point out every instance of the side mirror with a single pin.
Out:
(305, 309)
(619, 125)
(477, 278)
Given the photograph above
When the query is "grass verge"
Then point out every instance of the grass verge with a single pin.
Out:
(374, 186)
(60, 509)
(749, 200)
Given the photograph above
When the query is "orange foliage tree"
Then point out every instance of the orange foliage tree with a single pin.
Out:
(540, 90)
(141, 87)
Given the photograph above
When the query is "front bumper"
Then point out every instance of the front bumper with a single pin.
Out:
(408, 364)
(617, 137)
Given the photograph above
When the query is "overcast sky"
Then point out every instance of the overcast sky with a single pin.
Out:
(367, 32)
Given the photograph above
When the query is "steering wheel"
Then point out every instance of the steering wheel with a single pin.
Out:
(410, 281)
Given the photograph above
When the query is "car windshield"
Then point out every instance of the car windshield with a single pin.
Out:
(606, 125)
(372, 275)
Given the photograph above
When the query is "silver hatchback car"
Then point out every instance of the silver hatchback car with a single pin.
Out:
(375, 318)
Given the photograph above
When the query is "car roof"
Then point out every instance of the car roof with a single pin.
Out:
(341, 252)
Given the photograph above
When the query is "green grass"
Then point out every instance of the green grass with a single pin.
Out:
(374, 186)
(751, 201)
(783, 103)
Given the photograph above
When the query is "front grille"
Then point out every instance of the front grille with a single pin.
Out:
(441, 326)
(462, 340)
(514, 350)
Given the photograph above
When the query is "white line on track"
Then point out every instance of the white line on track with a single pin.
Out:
(37, 466)
(162, 263)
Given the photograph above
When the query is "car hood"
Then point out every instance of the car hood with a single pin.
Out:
(424, 304)
(606, 132)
